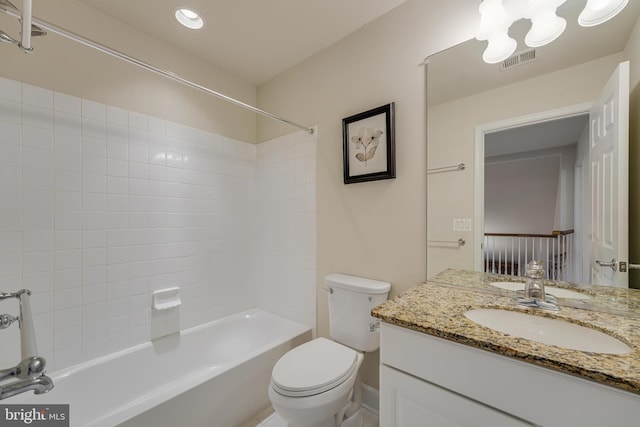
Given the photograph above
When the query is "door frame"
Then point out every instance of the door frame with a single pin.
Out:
(478, 190)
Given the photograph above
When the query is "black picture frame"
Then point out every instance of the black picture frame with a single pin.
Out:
(368, 141)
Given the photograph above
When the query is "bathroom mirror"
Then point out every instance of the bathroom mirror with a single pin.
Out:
(476, 116)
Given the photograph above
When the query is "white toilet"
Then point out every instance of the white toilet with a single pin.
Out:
(317, 384)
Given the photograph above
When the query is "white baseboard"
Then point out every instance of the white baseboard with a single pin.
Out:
(370, 398)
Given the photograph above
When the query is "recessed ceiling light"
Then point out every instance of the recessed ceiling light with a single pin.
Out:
(189, 18)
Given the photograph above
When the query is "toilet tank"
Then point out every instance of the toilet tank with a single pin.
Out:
(351, 299)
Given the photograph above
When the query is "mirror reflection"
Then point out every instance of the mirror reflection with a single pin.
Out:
(545, 141)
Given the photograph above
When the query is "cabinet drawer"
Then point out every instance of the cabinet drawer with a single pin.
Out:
(406, 401)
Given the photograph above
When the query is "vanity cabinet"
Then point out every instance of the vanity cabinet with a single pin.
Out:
(413, 402)
(430, 381)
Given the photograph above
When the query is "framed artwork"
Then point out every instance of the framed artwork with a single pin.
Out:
(369, 145)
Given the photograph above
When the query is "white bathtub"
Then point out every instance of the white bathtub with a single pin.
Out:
(213, 375)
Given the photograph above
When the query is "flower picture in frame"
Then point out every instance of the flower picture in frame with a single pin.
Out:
(369, 145)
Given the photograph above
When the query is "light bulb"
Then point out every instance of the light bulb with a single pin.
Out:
(494, 27)
(493, 18)
(545, 28)
(189, 18)
(598, 11)
(546, 24)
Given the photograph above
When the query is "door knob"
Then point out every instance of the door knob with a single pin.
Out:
(613, 264)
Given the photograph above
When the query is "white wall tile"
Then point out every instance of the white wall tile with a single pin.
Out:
(138, 121)
(92, 165)
(32, 240)
(117, 116)
(68, 318)
(37, 116)
(67, 104)
(117, 132)
(68, 239)
(117, 150)
(105, 205)
(283, 230)
(93, 145)
(34, 95)
(67, 298)
(138, 153)
(67, 279)
(67, 141)
(10, 209)
(10, 111)
(10, 89)
(94, 294)
(67, 338)
(64, 122)
(92, 313)
(94, 349)
(94, 110)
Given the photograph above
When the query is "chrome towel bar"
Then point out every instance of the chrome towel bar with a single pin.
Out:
(459, 242)
(452, 168)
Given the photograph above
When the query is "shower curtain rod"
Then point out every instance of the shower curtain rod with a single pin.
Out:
(11, 10)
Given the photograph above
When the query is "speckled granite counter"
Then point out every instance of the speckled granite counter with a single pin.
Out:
(602, 298)
(438, 309)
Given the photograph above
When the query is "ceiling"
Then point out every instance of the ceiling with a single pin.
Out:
(255, 40)
(538, 136)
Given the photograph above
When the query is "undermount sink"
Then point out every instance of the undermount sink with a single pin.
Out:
(548, 331)
(549, 290)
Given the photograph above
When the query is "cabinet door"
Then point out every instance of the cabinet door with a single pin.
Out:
(406, 401)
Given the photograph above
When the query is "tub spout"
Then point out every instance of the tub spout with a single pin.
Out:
(39, 385)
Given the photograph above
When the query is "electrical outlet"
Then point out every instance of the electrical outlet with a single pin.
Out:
(461, 224)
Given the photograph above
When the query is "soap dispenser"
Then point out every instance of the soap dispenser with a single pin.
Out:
(534, 284)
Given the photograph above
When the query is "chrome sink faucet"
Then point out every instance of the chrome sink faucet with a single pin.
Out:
(534, 292)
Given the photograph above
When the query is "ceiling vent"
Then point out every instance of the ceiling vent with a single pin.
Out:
(518, 59)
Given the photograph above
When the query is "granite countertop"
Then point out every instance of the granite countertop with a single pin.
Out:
(438, 309)
(623, 301)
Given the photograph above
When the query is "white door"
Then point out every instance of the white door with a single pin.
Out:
(609, 154)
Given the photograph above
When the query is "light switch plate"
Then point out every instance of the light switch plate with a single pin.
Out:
(461, 224)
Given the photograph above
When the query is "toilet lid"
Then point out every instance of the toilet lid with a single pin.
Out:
(313, 368)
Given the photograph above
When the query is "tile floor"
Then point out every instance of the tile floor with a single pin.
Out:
(267, 418)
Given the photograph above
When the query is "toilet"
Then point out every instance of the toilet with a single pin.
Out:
(317, 384)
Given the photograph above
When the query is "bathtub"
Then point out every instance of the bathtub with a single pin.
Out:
(212, 375)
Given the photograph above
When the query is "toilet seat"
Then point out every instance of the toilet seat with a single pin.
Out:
(313, 368)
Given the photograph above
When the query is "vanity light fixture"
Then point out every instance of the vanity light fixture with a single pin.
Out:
(189, 18)
(496, 17)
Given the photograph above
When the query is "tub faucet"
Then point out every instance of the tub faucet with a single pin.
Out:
(534, 292)
(30, 367)
(39, 385)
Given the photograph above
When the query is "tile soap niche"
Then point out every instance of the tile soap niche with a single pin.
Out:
(166, 299)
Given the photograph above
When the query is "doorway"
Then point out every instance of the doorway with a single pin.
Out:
(529, 201)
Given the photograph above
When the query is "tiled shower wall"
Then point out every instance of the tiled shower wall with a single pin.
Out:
(286, 226)
(100, 206)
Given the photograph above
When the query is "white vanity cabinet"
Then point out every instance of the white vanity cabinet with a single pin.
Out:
(430, 381)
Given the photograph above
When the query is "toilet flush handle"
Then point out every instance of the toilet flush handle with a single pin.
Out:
(374, 326)
(328, 290)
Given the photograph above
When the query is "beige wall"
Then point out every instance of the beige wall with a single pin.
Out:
(375, 229)
(68, 67)
(632, 53)
(451, 140)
